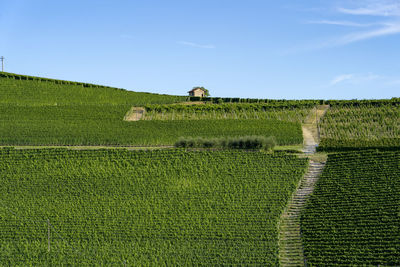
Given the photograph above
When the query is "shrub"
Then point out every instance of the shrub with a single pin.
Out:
(246, 142)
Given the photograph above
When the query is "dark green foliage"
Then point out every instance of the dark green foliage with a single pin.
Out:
(227, 107)
(143, 208)
(353, 216)
(359, 103)
(332, 145)
(246, 142)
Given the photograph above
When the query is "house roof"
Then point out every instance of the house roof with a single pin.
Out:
(195, 89)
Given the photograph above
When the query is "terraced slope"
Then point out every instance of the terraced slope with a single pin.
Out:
(165, 207)
(352, 218)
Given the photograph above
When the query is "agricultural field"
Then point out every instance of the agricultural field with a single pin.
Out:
(353, 216)
(35, 91)
(38, 111)
(353, 127)
(265, 111)
(104, 125)
(162, 207)
(199, 206)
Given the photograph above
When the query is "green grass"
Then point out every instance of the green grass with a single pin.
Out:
(143, 207)
(353, 216)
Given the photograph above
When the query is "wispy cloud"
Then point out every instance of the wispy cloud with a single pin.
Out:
(354, 78)
(388, 29)
(387, 24)
(207, 46)
(374, 8)
(341, 78)
(341, 23)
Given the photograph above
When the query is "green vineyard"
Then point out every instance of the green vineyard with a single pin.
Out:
(104, 125)
(245, 185)
(353, 217)
(52, 112)
(353, 127)
(165, 207)
(34, 91)
(226, 111)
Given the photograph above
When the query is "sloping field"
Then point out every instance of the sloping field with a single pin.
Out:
(146, 207)
(53, 112)
(104, 125)
(34, 91)
(290, 112)
(364, 125)
(353, 216)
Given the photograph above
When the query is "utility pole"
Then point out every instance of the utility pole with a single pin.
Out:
(2, 63)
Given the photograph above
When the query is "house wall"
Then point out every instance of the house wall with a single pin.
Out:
(197, 93)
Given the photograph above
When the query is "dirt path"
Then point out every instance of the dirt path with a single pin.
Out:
(290, 244)
(134, 114)
(309, 146)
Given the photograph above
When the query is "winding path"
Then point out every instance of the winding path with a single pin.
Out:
(290, 244)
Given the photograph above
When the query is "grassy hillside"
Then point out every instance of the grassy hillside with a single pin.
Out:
(353, 219)
(27, 90)
(143, 208)
(39, 111)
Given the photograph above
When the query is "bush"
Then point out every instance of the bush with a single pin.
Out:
(246, 142)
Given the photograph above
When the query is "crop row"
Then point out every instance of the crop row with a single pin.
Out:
(301, 103)
(365, 126)
(225, 111)
(41, 79)
(35, 92)
(103, 125)
(352, 218)
(395, 101)
(163, 207)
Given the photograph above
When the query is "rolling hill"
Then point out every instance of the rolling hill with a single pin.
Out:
(160, 205)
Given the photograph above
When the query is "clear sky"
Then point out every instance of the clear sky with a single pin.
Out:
(292, 49)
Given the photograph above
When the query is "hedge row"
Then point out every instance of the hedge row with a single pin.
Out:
(246, 142)
(300, 103)
(334, 145)
(220, 100)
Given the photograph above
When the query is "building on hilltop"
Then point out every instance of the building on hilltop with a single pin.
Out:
(198, 91)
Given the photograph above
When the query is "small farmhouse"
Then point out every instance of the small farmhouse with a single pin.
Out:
(197, 91)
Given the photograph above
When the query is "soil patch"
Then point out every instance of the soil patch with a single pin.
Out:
(134, 114)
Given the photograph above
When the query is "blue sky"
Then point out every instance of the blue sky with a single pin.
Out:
(253, 49)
